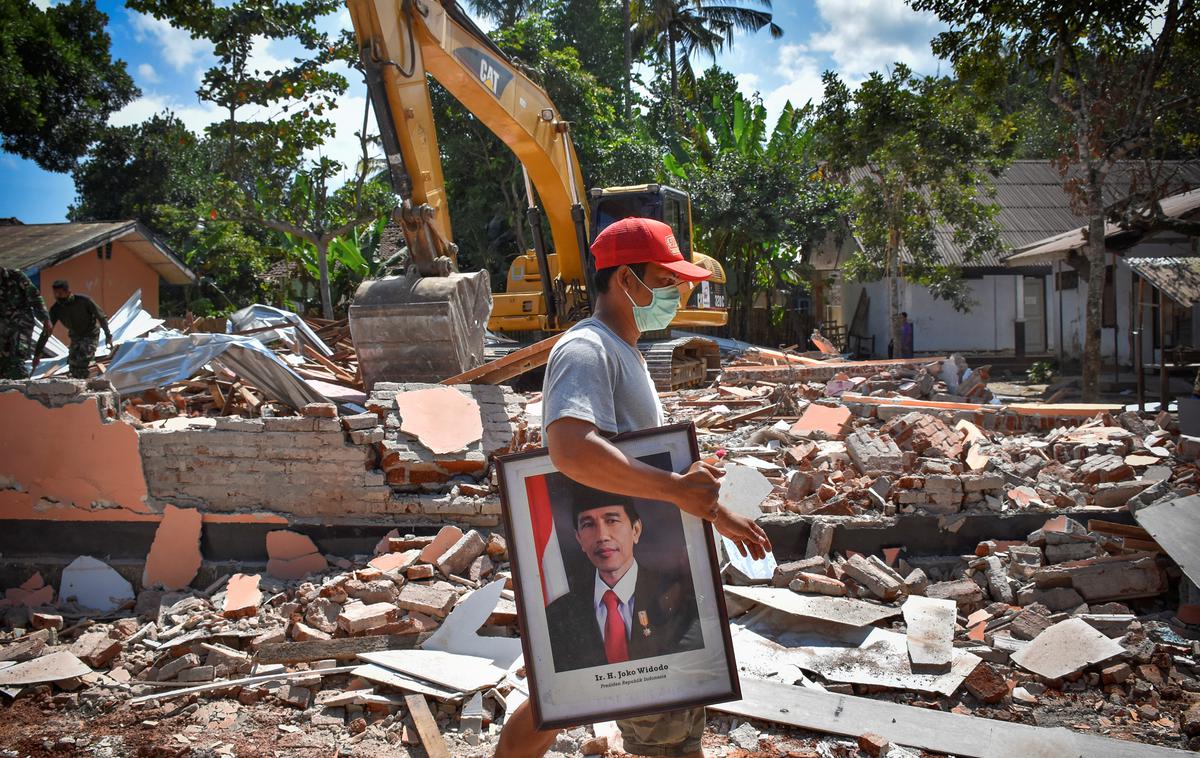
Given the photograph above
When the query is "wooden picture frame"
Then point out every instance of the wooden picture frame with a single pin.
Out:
(678, 646)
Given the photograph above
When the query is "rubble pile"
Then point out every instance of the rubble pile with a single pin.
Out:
(826, 460)
(1067, 621)
(314, 634)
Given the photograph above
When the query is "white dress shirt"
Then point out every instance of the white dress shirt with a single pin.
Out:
(624, 591)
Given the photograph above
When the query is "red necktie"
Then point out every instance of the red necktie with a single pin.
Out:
(616, 649)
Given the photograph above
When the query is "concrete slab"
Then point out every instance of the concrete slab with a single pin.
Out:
(1175, 525)
(49, 668)
(1065, 648)
(743, 490)
(836, 610)
(930, 633)
(94, 584)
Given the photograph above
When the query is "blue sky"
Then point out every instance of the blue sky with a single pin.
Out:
(852, 37)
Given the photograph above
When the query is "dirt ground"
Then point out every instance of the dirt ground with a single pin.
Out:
(38, 727)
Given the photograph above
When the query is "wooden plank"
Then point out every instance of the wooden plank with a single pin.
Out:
(1118, 529)
(513, 364)
(346, 649)
(922, 728)
(431, 738)
(1076, 410)
(238, 682)
(337, 370)
(740, 418)
(1176, 526)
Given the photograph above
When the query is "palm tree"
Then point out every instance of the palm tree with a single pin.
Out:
(674, 30)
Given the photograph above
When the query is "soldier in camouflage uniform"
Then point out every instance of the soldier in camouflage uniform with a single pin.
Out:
(84, 320)
(21, 307)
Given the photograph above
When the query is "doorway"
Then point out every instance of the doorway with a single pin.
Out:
(1034, 293)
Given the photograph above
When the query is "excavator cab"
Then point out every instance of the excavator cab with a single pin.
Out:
(701, 304)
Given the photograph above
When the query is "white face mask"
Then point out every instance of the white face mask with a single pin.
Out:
(660, 312)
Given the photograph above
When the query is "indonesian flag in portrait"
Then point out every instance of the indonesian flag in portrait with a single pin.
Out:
(545, 538)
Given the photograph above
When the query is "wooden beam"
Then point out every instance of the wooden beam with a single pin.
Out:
(238, 682)
(1075, 410)
(513, 364)
(922, 728)
(431, 738)
(346, 649)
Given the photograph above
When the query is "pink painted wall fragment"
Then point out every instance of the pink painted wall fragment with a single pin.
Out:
(67, 459)
(174, 557)
(442, 418)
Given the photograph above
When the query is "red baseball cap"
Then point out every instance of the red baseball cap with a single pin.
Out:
(643, 240)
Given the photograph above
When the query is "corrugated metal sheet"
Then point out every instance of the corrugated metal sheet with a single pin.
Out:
(1059, 246)
(1033, 207)
(32, 247)
(1177, 278)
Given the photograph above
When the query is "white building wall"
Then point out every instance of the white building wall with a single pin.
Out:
(937, 326)
(989, 325)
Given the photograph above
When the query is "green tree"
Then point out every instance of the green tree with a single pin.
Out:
(58, 83)
(915, 153)
(160, 173)
(757, 201)
(1123, 77)
(277, 120)
(674, 30)
(131, 170)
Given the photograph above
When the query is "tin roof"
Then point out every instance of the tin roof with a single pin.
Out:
(1033, 207)
(33, 247)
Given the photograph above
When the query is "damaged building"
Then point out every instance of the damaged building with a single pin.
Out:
(204, 562)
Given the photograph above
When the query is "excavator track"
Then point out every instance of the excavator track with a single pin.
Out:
(680, 363)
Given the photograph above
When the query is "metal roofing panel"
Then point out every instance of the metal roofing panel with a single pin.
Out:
(32, 247)
(1034, 208)
(1177, 278)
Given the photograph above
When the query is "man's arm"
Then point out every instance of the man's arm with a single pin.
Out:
(103, 319)
(47, 327)
(580, 451)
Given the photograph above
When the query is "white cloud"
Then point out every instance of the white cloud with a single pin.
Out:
(178, 47)
(195, 115)
(871, 35)
(801, 75)
(147, 74)
(42, 4)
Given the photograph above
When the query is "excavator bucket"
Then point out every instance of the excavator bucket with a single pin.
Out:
(420, 329)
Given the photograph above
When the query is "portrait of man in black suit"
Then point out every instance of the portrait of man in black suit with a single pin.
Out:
(626, 607)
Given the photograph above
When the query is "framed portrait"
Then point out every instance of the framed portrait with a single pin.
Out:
(622, 611)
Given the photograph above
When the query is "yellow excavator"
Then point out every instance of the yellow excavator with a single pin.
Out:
(429, 322)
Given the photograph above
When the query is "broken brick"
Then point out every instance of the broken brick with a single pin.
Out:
(459, 556)
(357, 617)
(986, 684)
(96, 649)
(873, 745)
(817, 584)
(446, 537)
(433, 599)
(876, 580)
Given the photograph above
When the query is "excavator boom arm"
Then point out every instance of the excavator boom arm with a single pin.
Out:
(401, 41)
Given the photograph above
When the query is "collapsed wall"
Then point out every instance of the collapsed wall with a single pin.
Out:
(67, 453)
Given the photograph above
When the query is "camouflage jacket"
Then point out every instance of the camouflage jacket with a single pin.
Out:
(19, 299)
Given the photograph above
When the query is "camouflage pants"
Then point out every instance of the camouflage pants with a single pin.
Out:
(80, 354)
(16, 344)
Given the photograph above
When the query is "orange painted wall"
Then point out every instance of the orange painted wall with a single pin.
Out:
(65, 464)
(109, 282)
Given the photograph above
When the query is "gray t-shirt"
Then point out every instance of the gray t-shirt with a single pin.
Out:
(596, 376)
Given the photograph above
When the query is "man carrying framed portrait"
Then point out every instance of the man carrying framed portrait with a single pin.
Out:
(596, 387)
